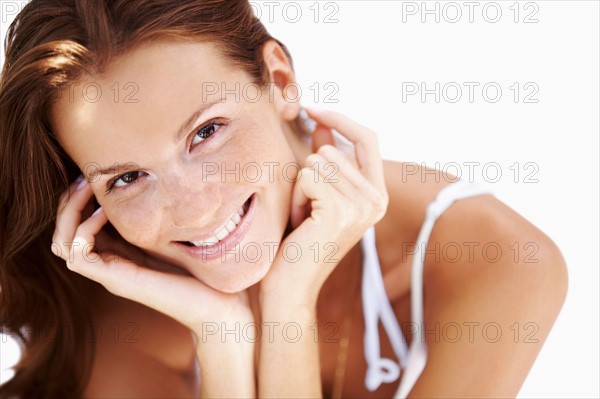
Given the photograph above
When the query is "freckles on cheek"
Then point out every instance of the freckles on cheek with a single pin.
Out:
(136, 224)
(258, 143)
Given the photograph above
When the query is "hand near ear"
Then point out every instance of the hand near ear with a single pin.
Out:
(344, 194)
(322, 136)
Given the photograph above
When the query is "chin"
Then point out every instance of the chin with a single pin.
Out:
(240, 281)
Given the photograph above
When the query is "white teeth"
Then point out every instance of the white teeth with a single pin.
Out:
(230, 226)
(212, 240)
(224, 232)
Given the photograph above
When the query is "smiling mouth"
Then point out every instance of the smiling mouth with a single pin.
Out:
(229, 227)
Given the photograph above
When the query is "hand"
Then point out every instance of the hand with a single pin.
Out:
(343, 205)
(95, 254)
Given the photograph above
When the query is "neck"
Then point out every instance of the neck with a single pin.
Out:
(299, 148)
(339, 281)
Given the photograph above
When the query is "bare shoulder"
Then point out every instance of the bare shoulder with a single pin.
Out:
(493, 286)
(139, 353)
(127, 373)
(472, 231)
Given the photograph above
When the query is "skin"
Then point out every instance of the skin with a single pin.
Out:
(172, 199)
(167, 204)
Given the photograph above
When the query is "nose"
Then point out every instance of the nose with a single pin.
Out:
(189, 202)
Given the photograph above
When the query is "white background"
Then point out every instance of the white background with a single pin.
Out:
(376, 49)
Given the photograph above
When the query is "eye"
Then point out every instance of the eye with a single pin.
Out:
(205, 132)
(125, 180)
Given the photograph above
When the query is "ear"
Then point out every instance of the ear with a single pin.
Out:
(286, 91)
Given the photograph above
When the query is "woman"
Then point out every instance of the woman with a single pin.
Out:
(212, 246)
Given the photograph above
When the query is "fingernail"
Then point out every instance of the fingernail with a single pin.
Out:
(81, 185)
(97, 211)
(79, 178)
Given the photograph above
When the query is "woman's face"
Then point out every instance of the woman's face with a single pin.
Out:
(174, 184)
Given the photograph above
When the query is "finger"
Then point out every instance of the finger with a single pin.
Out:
(130, 252)
(64, 197)
(343, 166)
(141, 284)
(81, 254)
(108, 268)
(130, 280)
(299, 199)
(119, 247)
(69, 217)
(120, 276)
(347, 181)
(365, 142)
(307, 189)
(322, 136)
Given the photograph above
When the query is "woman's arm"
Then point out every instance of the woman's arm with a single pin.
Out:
(289, 358)
(226, 366)
(342, 208)
(488, 312)
(510, 303)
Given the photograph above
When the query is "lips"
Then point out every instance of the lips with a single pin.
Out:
(223, 231)
(225, 238)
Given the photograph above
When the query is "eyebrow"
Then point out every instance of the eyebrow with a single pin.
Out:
(187, 125)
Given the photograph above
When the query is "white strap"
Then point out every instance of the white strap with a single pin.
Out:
(376, 306)
(417, 354)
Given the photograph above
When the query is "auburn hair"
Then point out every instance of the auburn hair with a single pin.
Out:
(50, 44)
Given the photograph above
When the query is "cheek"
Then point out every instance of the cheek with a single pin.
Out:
(263, 147)
(135, 224)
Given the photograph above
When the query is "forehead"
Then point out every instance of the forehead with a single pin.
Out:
(154, 87)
